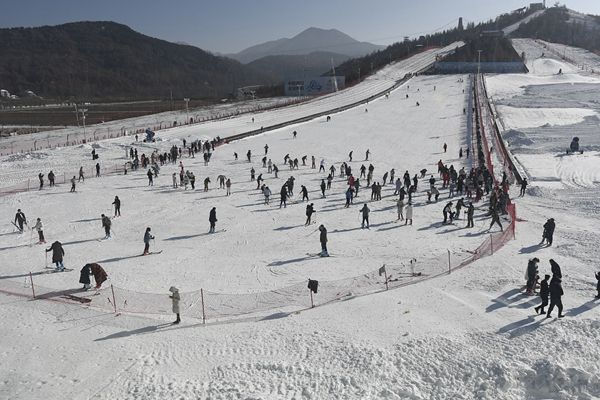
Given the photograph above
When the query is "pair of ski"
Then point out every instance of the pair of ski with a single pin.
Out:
(53, 270)
(318, 255)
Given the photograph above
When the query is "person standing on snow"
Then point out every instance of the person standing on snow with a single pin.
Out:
(365, 216)
(350, 155)
(20, 219)
(304, 192)
(323, 240)
(150, 178)
(448, 213)
(72, 184)
(408, 214)
(284, 194)
(97, 170)
(117, 204)
(40, 230)
(556, 293)
(400, 207)
(147, 237)
(212, 218)
(532, 272)
(523, 187)
(548, 234)
(106, 225)
(309, 212)
(544, 292)
(57, 255)
(495, 219)
(175, 298)
(470, 213)
(228, 186)
(81, 175)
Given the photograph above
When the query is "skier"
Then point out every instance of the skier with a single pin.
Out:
(174, 180)
(294, 134)
(409, 213)
(175, 298)
(495, 219)
(249, 156)
(398, 186)
(266, 149)
(117, 204)
(400, 207)
(470, 212)
(448, 213)
(57, 255)
(284, 193)
(556, 292)
(212, 218)
(309, 212)
(323, 240)
(40, 230)
(235, 156)
(206, 182)
(150, 178)
(275, 170)
(366, 155)
(41, 178)
(548, 234)
(322, 165)
(323, 186)
(365, 216)
(95, 269)
(259, 180)
(97, 170)
(350, 155)
(267, 194)
(147, 237)
(523, 187)
(106, 225)
(555, 268)
(459, 206)
(385, 178)
(72, 184)
(348, 197)
(81, 174)
(304, 192)
(544, 292)
(460, 153)
(532, 271)
(51, 178)
(445, 147)
(313, 162)
(20, 219)
(228, 186)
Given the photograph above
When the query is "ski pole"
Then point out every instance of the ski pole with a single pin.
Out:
(46, 264)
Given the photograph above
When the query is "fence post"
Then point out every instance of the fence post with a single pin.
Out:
(449, 265)
(386, 278)
(312, 304)
(202, 300)
(492, 243)
(32, 288)
(113, 296)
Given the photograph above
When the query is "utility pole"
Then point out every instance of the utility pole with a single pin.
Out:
(83, 111)
(187, 117)
(479, 62)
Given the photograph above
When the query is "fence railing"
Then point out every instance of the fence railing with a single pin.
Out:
(207, 305)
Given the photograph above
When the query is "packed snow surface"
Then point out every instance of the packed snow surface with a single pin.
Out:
(471, 334)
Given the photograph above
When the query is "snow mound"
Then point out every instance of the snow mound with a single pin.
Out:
(548, 66)
(516, 138)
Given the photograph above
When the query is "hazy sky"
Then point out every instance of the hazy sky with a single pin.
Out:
(231, 25)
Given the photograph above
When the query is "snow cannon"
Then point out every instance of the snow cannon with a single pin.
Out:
(574, 147)
(149, 136)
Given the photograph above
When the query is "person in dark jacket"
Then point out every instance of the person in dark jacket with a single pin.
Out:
(147, 237)
(309, 212)
(95, 269)
(470, 213)
(117, 204)
(57, 255)
(365, 215)
(284, 194)
(20, 219)
(212, 218)
(51, 178)
(106, 225)
(544, 292)
(555, 268)
(548, 234)
(323, 240)
(556, 293)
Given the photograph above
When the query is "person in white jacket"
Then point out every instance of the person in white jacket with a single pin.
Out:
(408, 213)
(40, 230)
(175, 298)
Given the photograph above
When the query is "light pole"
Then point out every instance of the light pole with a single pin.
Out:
(83, 111)
(187, 101)
(479, 62)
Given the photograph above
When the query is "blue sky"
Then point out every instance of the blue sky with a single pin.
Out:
(231, 25)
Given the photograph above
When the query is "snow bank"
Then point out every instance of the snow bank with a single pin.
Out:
(520, 118)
